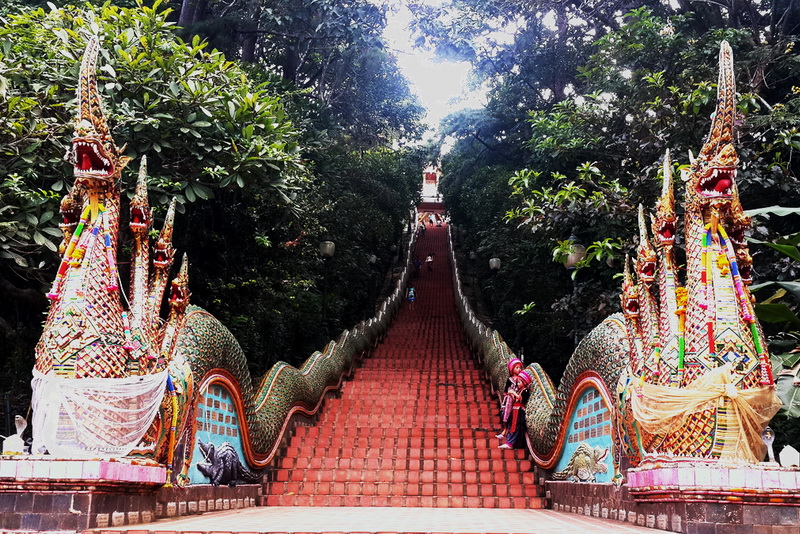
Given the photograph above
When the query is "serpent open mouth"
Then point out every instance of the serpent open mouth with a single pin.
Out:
(746, 273)
(90, 159)
(717, 183)
(631, 306)
(666, 231)
(647, 271)
(161, 258)
(138, 219)
(70, 220)
(737, 235)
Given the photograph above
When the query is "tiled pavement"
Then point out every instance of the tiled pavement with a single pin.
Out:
(298, 519)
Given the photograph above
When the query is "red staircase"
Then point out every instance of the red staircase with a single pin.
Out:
(415, 427)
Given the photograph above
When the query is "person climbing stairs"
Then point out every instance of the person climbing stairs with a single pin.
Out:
(415, 426)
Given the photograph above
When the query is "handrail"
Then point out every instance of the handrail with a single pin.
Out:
(285, 389)
(486, 343)
(341, 352)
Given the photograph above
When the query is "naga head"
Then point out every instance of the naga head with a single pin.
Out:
(630, 293)
(711, 180)
(70, 210)
(745, 263)
(645, 255)
(179, 292)
(141, 214)
(164, 252)
(664, 220)
(95, 158)
(737, 223)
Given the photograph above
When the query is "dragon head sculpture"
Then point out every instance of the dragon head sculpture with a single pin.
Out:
(141, 215)
(70, 210)
(645, 255)
(711, 180)
(179, 293)
(96, 159)
(630, 293)
(664, 221)
(163, 251)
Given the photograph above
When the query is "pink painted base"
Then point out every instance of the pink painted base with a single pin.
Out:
(673, 479)
(40, 493)
(34, 470)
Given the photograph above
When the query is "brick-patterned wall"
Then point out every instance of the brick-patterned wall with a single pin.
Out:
(174, 502)
(48, 511)
(80, 510)
(609, 501)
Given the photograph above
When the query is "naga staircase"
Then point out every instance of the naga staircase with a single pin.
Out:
(415, 426)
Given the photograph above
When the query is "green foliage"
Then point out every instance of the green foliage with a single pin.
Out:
(203, 125)
(193, 112)
(332, 49)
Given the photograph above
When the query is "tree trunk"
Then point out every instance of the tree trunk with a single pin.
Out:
(188, 8)
(249, 39)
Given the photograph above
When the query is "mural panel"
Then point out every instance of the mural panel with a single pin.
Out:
(590, 423)
(217, 424)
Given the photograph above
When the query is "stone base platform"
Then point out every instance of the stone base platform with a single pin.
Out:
(692, 497)
(681, 480)
(45, 494)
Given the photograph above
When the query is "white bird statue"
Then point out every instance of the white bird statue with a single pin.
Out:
(14, 444)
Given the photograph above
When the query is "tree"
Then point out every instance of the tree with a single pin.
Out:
(331, 48)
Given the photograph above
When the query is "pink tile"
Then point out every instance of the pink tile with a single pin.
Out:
(659, 477)
(147, 474)
(130, 472)
(90, 470)
(157, 474)
(719, 478)
(136, 474)
(787, 480)
(104, 471)
(115, 471)
(24, 469)
(633, 479)
(73, 469)
(8, 468)
(41, 468)
(669, 476)
(685, 477)
(753, 479)
(770, 479)
(58, 469)
(737, 477)
(702, 477)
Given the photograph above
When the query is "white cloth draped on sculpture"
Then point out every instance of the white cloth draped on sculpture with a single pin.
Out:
(93, 417)
(742, 413)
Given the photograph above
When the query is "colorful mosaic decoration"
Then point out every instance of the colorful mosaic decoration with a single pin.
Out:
(95, 330)
(699, 382)
(591, 420)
